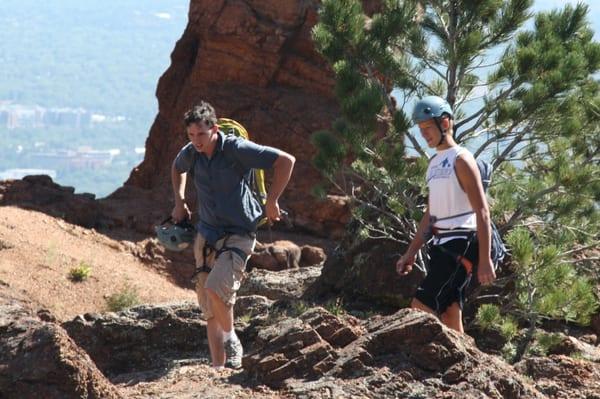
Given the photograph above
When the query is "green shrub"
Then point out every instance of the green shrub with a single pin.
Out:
(80, 273)
(125, 298)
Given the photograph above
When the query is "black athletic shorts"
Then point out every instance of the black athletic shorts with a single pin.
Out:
(447, 279)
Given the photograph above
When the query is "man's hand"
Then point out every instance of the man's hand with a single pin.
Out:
(405, 264)
(272, 210)
(180, 212)
(485, 272)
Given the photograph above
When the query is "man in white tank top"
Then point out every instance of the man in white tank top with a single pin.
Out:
(457, 210)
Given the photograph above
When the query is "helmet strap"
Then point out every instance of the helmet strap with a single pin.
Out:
(443, 131)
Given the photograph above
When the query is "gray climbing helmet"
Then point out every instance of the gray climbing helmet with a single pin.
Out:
(175, 236)
(430, 107)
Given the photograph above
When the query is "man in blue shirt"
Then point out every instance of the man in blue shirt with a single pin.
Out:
(228, 215)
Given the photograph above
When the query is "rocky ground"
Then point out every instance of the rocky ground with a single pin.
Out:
(58, 341)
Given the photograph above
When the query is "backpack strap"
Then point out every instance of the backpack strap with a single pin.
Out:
(248, 175)
(228, 153)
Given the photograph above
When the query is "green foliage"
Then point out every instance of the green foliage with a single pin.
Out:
(125, 298)
(547, 285)
(490, 317)
(298, 307)
(545, 342)
(509, 328)
(537, 120)
(80, 273)
(335, 306)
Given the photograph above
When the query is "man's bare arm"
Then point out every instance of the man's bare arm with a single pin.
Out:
(282, 171)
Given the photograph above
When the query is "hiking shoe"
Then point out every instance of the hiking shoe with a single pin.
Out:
(233, 352)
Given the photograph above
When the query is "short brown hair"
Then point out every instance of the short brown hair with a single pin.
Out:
(203, 112)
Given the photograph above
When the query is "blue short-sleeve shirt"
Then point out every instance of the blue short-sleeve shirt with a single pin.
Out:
(226, 203)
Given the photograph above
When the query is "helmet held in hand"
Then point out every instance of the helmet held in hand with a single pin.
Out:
(175, 236)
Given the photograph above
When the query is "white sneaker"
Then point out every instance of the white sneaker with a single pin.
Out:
(233, 352)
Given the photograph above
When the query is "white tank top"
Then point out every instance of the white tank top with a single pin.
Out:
(447, 200)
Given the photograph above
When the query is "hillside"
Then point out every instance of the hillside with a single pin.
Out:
(37, 253)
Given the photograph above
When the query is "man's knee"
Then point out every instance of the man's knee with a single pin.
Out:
(211, 294)
(452, 312)
(416, 304)
(452, 317)
(203, 298)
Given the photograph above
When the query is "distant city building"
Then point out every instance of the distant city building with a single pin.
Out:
(15, 116)
(21, 173)
(83, 158)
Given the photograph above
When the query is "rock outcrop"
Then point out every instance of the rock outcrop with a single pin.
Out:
(39, 360)
(559, 376)
(254, 60)
(408, 354)
(40, 193)
(365, 271)
(141, 338)
(284, 284)
(293, 349)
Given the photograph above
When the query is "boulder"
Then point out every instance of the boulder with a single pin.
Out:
(572, 346)
(365, 271)
(275, 256)
(559, 376)
(290, 348)
(284, 284)
(141, 338)
(407, 354)
(39, 360)
(41, 194)
(312, 256)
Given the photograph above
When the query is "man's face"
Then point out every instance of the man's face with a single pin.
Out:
(202, 137)
(431, 132)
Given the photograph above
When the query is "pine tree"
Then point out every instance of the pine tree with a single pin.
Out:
(526, 98)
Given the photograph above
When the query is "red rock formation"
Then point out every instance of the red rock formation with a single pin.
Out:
(255, 62)
(40, 193)
(39, 360)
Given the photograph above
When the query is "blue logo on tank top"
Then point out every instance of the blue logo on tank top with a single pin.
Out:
(443, 170)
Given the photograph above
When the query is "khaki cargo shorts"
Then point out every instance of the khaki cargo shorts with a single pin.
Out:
(227, 270)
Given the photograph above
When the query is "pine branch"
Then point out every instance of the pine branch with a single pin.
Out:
(516, 140)
(573, 261)
(507, 133)
(433, 69)
(451, 71)
(370, 205)
(385, 235)
(391, 109)
(481, 66)
(580, 231)
(482, 114)
(521, 210)
(581, 249)
(380, 192)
